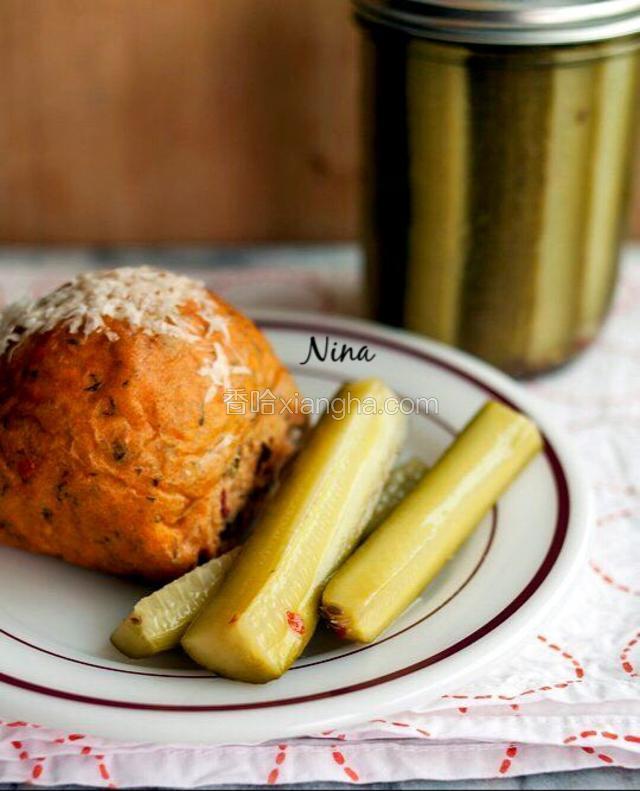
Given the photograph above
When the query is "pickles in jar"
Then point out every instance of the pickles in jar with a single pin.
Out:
(390, 569)
(266, 610)
(495, 190)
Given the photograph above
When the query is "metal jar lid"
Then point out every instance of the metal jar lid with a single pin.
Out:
(508, 22)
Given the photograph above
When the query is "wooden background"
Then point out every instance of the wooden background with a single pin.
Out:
(178, 121)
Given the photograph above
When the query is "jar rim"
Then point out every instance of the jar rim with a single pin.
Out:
(506, 22)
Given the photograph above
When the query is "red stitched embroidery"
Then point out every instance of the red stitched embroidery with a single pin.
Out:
(577, 669)
(510, 753)
(592, 734)
(397, 724)
(627, 665)
(610, 581)
(340, 760)
(281, 756)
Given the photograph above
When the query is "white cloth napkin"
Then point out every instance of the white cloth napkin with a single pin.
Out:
(570, 699)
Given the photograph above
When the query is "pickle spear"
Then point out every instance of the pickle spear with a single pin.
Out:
(615, 86)
(386, 573)
(438, 133)
(158, 621)
(403, 479)
(267, 608)
(557, 281)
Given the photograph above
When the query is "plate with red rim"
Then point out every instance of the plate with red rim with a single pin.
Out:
(58, 668)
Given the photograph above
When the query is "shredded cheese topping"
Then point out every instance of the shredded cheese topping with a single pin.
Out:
(146, 299)
(219, 371)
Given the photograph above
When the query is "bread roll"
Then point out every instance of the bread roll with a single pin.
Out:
(128, 442)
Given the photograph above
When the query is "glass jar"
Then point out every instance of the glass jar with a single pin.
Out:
(498, 149)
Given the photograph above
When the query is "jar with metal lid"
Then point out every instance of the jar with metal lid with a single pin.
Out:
(498, 142)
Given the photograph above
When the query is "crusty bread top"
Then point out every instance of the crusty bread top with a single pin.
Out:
(144, 299)
(168, 357)
(153, 301)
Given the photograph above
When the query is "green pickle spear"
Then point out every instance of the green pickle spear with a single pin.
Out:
(266, 610)
(403, 479)
(158, 621)
(391, 568)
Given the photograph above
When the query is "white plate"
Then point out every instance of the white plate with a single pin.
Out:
(57, 667)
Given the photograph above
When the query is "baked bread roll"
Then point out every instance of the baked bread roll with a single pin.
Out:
(128, 440)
